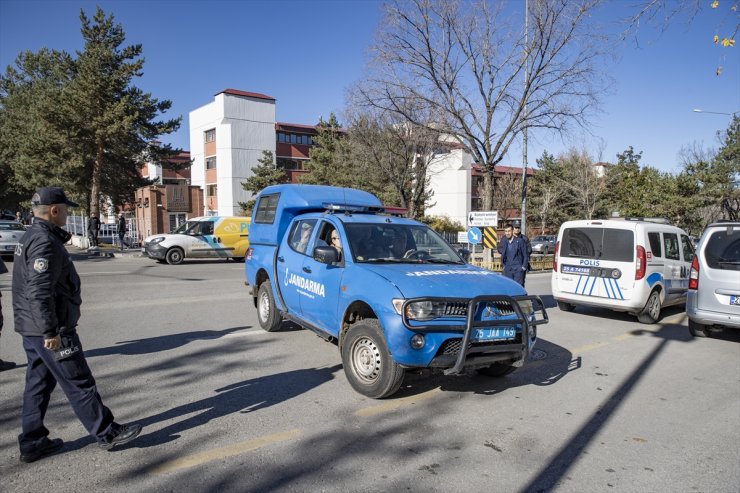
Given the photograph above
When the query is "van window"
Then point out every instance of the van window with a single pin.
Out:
(654, 239)
(688, 248)
(671, 246)
(599, 243)
(723, 250)
(266, 209)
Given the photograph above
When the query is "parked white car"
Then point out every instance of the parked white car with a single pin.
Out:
(11, 233)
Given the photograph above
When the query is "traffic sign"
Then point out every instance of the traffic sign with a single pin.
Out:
(474, 236)
(490, 238)
(483, 218)
(462, 237)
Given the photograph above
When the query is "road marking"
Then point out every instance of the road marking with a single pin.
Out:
(588, 347)
(398, 403)
(224, 452)
(678, 318)
(242, 333)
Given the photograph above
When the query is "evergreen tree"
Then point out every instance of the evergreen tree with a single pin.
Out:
(264, 175)
(329, 163)
(90, 128)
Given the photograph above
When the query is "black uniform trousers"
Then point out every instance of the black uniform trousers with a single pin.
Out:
(77, 382)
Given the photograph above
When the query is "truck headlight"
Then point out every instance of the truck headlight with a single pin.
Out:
(421, 310)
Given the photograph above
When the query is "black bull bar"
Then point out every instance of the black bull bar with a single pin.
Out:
(506, 306)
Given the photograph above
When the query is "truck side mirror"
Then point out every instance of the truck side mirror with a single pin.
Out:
(325, 255)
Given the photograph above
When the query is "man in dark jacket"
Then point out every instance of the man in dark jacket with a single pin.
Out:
(4, 365)
(93, 228)
(517, 225)
(46, 305)
(514, 255)
(122, 231)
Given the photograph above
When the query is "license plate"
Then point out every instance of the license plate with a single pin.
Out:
(735, 300)
(575, 269)
(493, 334)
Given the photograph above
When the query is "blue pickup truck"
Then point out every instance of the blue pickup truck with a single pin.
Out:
(389, 291)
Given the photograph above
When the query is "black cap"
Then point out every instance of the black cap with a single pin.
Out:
(50, 196)
(516, 224)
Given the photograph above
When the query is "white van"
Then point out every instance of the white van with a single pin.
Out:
(628, 265)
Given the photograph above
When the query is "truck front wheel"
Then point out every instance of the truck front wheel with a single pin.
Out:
(267, 313)
(367, 363)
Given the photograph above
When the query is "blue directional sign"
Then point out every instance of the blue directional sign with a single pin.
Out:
(474, 236)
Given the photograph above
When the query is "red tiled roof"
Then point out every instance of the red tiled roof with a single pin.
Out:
(236, 92)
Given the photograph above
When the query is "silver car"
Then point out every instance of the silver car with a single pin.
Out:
(11, 233)
(713, 300)
(543, 244)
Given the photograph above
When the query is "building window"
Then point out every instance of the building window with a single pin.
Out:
(291, 164)
(211, 162)
(211, 190)
(210, 135)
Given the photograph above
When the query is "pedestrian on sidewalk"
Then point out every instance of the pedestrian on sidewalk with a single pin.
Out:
(122, 231)
(4, 365)
(93, 228)
(46, 305)
(514, 256)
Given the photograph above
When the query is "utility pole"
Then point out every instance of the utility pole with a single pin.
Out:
(524, 133)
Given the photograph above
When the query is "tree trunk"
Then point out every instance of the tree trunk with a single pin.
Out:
(487, 192)
(96, 177)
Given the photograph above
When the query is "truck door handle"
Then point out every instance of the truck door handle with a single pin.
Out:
(281, 259)
(307, 270)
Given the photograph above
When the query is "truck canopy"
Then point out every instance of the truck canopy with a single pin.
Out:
(277, 205)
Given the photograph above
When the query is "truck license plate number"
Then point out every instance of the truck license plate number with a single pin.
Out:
(735, 300)
(493, 334)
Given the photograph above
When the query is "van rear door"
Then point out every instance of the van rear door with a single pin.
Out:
(597, 262)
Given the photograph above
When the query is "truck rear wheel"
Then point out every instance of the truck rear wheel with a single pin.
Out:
(368, 365)
(651, 313)
(267, 313)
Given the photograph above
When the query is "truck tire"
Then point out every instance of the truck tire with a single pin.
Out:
(651, 313)
(496, 370)
(566, 307)
(174, 256)
(367, 362)
(267, 313)
(698, 330)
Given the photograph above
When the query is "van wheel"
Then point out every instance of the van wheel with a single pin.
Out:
(174, 256)
(566, 307)
(651, 313)
(698, 330)
(496, 370)
(369, 367)
(267, 313)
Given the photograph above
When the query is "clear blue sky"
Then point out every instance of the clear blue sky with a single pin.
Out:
(307, 53)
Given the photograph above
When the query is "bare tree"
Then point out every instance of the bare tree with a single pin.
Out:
(476, 70)
(508, 192)
(580, 185)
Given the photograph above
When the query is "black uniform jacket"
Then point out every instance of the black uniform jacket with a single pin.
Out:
(46, 287)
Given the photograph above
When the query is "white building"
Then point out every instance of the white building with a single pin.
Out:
(450, 179)
(227, 137)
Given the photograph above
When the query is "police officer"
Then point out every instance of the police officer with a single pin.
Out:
(517, 225)
(46, 305)
(514, 255)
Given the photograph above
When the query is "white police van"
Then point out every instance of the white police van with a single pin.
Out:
(633, 265)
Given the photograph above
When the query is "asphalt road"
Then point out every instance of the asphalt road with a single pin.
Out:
(608, 405)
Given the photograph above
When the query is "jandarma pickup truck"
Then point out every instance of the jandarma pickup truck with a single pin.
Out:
(389, 291)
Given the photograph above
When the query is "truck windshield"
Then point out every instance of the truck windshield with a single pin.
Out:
(598, 243)
(398, 243)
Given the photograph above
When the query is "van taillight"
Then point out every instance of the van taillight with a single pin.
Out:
(555, 257)
(694, 274)
(641, 264)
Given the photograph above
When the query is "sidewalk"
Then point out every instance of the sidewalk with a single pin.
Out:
(105, 250)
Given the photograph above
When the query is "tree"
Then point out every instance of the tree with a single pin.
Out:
(94, 127)
(464, 63)
(264, 175)
(328, 163)
(546, 192)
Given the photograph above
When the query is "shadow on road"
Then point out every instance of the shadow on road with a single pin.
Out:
(160, 343)
(242, 397)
